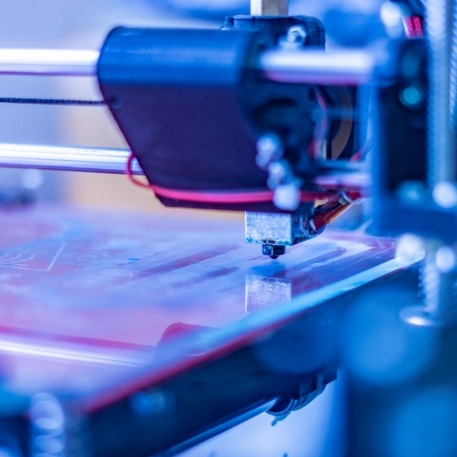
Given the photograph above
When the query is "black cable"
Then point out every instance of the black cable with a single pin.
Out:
(50, 101)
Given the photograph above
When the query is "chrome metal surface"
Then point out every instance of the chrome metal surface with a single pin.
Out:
(453, 72)
(101, 160)
(269, 7)
(317, 67)
(54, 62)
(353, 67)
(441, 154)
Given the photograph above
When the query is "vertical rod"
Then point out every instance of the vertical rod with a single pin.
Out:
(438, 286)
(453, 75)
(441, 156)
(438, 282)
(269, 7)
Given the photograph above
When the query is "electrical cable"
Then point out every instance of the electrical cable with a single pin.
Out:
(328, 212)
(133, 179)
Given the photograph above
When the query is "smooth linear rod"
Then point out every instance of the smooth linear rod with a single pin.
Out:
(51, 62)
(114, 161)
(269, 7)
(100, 160)
(280, 65)
(300, 66)
(318, 67)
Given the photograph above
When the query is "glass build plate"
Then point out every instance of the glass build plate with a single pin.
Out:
(88, 298)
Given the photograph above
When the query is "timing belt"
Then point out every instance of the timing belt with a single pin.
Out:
(51, 101)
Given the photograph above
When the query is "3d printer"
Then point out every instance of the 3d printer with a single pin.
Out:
(253, 117)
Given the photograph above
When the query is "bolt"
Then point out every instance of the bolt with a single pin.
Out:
(445, 259)
(287, 196)
(273, 250)
(279, 173)
(391, 16)
(296, 35)
(410, 249)
(445, 194)
(269, 149)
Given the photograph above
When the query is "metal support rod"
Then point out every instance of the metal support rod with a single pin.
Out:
(438, 284)
(300, 66)
(51, 62)
(287, 66)
(453, 75)
(100, 160)
(439, 267)
(269, 7)
(441, 154)
(317, 67)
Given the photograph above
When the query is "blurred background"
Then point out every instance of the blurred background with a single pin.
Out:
(77, 25)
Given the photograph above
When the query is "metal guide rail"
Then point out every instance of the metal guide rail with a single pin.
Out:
(307, 67)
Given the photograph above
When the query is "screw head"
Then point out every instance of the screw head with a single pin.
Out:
(410, 249)
(296, 35)
(445, 259)
(287, 196)
(279, 173)
(269, 149)
(445, 194)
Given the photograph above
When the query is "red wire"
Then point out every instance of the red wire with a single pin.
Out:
(414, 27)
(131, 176)
(216, 197)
